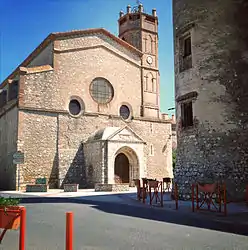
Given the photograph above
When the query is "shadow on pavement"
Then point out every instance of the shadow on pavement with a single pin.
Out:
(138, 210)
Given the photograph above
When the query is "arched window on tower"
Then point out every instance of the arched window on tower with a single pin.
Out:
(149, 44)
(149, 83)
(154, 85)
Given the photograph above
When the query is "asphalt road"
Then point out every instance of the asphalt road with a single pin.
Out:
(108, 226)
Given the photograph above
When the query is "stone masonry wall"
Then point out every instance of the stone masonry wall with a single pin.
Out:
(74, 72)
(39, 142)
(174, 137)
(73, 131)
(52, 139)
(111, 187)
(216, 147)
(8, 138)
(93, 163)
(65, 161)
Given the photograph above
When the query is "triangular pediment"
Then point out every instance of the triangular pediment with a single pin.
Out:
(125, 134)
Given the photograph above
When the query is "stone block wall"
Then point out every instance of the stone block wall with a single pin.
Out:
(73, 131)
(45, 121)
(71, 187)
(8, 139)
(111, 187)
(51, 139)
(37, 138)
(158, 151)
(71, 134)
(215, 147)
(75, 68)
(174, 137)
(81, 67)
(52, 143)
(94, 162)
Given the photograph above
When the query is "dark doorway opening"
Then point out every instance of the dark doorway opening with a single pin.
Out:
(121, 169)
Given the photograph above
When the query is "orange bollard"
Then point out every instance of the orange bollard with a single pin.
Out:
(69, 231)
(22, 229)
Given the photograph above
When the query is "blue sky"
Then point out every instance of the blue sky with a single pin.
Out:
(24, 25)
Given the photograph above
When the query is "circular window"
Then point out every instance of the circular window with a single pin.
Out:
(74, 107)
(124, 112)
(101, 90)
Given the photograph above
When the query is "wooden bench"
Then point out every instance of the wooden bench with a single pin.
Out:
(70, 187)
(39, 186)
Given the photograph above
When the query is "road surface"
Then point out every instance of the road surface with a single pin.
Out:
(113, 226)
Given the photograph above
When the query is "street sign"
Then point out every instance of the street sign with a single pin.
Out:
(18, 157)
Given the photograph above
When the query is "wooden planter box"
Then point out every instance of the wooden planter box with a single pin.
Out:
(10, 217)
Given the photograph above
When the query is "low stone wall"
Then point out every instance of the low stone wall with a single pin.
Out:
(111, 187)
(70, 187)
(37, 188)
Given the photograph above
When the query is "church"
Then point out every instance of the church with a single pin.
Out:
(84, 108)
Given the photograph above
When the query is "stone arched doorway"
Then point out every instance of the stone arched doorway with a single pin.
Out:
(121, 169)
(126, 166)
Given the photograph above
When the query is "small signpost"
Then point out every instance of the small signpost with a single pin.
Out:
(18, 157)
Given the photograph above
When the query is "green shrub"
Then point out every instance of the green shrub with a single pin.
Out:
(6, 202)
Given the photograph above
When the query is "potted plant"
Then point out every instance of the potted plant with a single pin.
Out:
(9, 213)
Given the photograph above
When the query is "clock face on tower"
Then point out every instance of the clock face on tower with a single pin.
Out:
(149, 60)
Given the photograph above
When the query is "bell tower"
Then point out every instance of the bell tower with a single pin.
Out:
(141, 31)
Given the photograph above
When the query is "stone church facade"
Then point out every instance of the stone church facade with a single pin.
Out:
(84, 108)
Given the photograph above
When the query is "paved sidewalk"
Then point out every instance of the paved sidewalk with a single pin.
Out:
(60, 193)
(236, 212)
(82, 194)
